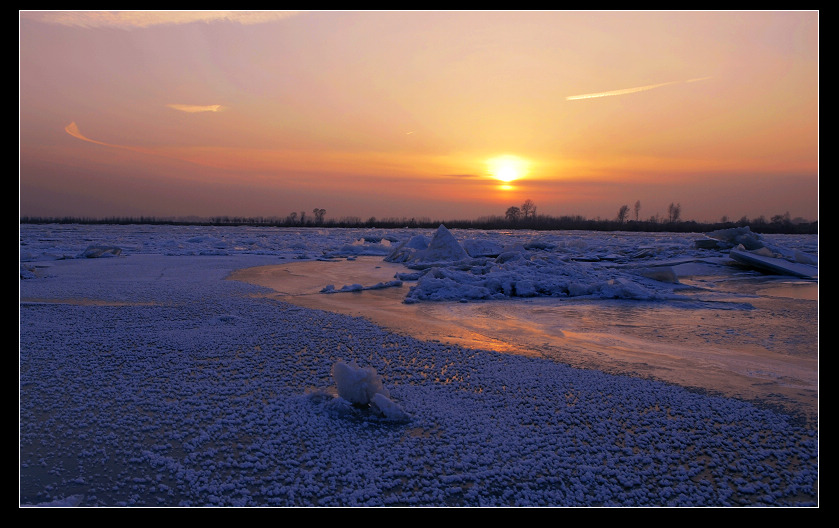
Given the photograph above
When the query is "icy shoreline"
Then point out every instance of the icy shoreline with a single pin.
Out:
(188, 390)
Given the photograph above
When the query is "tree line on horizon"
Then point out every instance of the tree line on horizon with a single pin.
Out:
(515, 217)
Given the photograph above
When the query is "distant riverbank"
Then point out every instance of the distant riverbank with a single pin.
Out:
(778, 225)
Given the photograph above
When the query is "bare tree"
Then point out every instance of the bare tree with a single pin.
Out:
(674, 212)
(318, 215)
(528, 209)
(637, 209)
(513, 214)
(292, 217)
(781, 219)
(623, 212)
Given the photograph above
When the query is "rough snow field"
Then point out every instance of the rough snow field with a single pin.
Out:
(147, 379)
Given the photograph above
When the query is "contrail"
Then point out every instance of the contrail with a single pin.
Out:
(196, 108)
(73, 130)
(630, 90)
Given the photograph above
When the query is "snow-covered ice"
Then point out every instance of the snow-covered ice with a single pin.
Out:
(147, 379)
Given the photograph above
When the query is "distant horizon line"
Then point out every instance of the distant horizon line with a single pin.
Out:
(656, 218)
(777, 224)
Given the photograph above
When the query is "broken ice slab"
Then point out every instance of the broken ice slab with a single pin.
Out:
(773, 265)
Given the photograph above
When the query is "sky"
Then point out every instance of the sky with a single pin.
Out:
(418, 114)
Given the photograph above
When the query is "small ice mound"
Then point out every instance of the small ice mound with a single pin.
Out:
(385, 284)
(356, 384)
(100, 252)
(446, 284)
(404, 251)
(330, 288)
(734, 236)
(443, 247)
(362, 387)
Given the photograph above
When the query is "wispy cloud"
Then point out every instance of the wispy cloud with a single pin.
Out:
(143, 19)
(625, 91)
(73, 130)
(196, 108)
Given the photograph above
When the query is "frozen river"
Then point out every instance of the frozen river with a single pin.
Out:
(191, 366)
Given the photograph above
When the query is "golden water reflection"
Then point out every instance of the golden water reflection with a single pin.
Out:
(762, 353)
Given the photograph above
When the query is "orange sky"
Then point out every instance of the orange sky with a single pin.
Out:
(395, 114)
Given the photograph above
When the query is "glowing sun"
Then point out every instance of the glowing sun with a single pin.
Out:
(507, 168)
